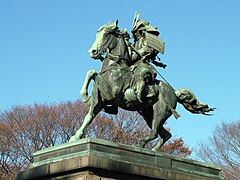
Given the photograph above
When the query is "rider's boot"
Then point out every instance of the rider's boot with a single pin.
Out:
(138, 94)
(139, 89)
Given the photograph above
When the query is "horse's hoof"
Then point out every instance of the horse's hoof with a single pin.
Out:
(73, 138)
(142, 143)
(139, 146)
(155, 149)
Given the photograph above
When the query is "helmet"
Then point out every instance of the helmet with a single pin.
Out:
(152, 30)
(139, 25)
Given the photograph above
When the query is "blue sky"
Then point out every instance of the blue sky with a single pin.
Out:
(44, 58)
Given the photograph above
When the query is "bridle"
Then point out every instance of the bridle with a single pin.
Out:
(105, 45)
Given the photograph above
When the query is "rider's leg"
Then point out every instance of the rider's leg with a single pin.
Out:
(143, 75)
(140, 84)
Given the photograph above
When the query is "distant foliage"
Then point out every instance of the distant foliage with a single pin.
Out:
(27, 129)
(176, 147)
(223, 149)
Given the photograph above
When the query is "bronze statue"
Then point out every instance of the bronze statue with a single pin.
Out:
(146, 47)
(127, 79)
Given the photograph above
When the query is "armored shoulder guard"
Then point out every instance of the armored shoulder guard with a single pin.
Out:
(155, 42)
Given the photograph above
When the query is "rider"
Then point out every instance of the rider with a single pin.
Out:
(146, 47)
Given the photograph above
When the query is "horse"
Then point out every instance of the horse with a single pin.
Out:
(112, 86)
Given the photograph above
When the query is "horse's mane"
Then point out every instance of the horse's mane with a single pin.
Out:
(111, 27)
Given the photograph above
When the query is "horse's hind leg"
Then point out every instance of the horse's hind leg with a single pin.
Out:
(159, 114)
(148, 115)
(164, 137)
(160, 119)
(153, 135)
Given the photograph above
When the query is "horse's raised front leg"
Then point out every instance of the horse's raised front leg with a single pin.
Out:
(95, 107)
(84, 91)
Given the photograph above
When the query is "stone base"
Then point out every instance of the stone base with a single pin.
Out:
(100, 159)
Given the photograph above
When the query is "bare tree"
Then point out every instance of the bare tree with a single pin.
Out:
(176, 147)
(223, 149)
(27, 129)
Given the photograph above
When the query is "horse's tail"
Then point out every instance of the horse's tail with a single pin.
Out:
(191, 103)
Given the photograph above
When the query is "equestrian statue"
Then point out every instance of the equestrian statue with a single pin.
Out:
(127, 79)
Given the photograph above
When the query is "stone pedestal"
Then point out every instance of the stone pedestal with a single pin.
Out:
(100, 159)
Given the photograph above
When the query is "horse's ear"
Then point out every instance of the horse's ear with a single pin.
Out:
(116, 23)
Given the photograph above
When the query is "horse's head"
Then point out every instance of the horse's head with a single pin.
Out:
(106, 40)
